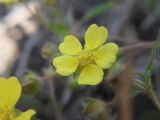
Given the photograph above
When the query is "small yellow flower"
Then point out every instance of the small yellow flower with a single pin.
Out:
(91, 60)
(10, 91)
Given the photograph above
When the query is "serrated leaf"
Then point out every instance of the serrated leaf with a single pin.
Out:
(150, 66)
(136, 90)
(138, 87)
(139, 75)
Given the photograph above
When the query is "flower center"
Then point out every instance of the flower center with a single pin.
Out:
(85, 57)
(7, 115)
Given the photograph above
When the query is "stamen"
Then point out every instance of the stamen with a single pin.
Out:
(7, 115)
(85, 57)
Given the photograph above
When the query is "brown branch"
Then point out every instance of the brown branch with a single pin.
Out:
(26, 52)
(131, 48)
(56, 108)
(124, 90)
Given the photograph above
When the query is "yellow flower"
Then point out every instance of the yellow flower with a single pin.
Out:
(91, 60)
(8, 1)
(10, 91)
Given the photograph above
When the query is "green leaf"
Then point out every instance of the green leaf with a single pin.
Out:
(30, 83)
(30, 101)
(150, 66)
(97, 10)
(151, 4)
(58, 28)
(51, 2)
(137, 88)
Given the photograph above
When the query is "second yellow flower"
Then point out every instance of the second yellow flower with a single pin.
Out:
(88, 61)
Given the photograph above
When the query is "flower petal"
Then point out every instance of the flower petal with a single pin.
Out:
(25, 115)
(95, 36)
(65, 65)
(110, 48)
(90, 75)
(105, 56)
(10, 91)
(70, 46)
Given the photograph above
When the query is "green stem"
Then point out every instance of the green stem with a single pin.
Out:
(153, 97)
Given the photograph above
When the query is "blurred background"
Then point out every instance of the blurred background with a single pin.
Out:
(30, 32)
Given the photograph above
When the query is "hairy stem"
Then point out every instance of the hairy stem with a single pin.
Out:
(153, 97)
